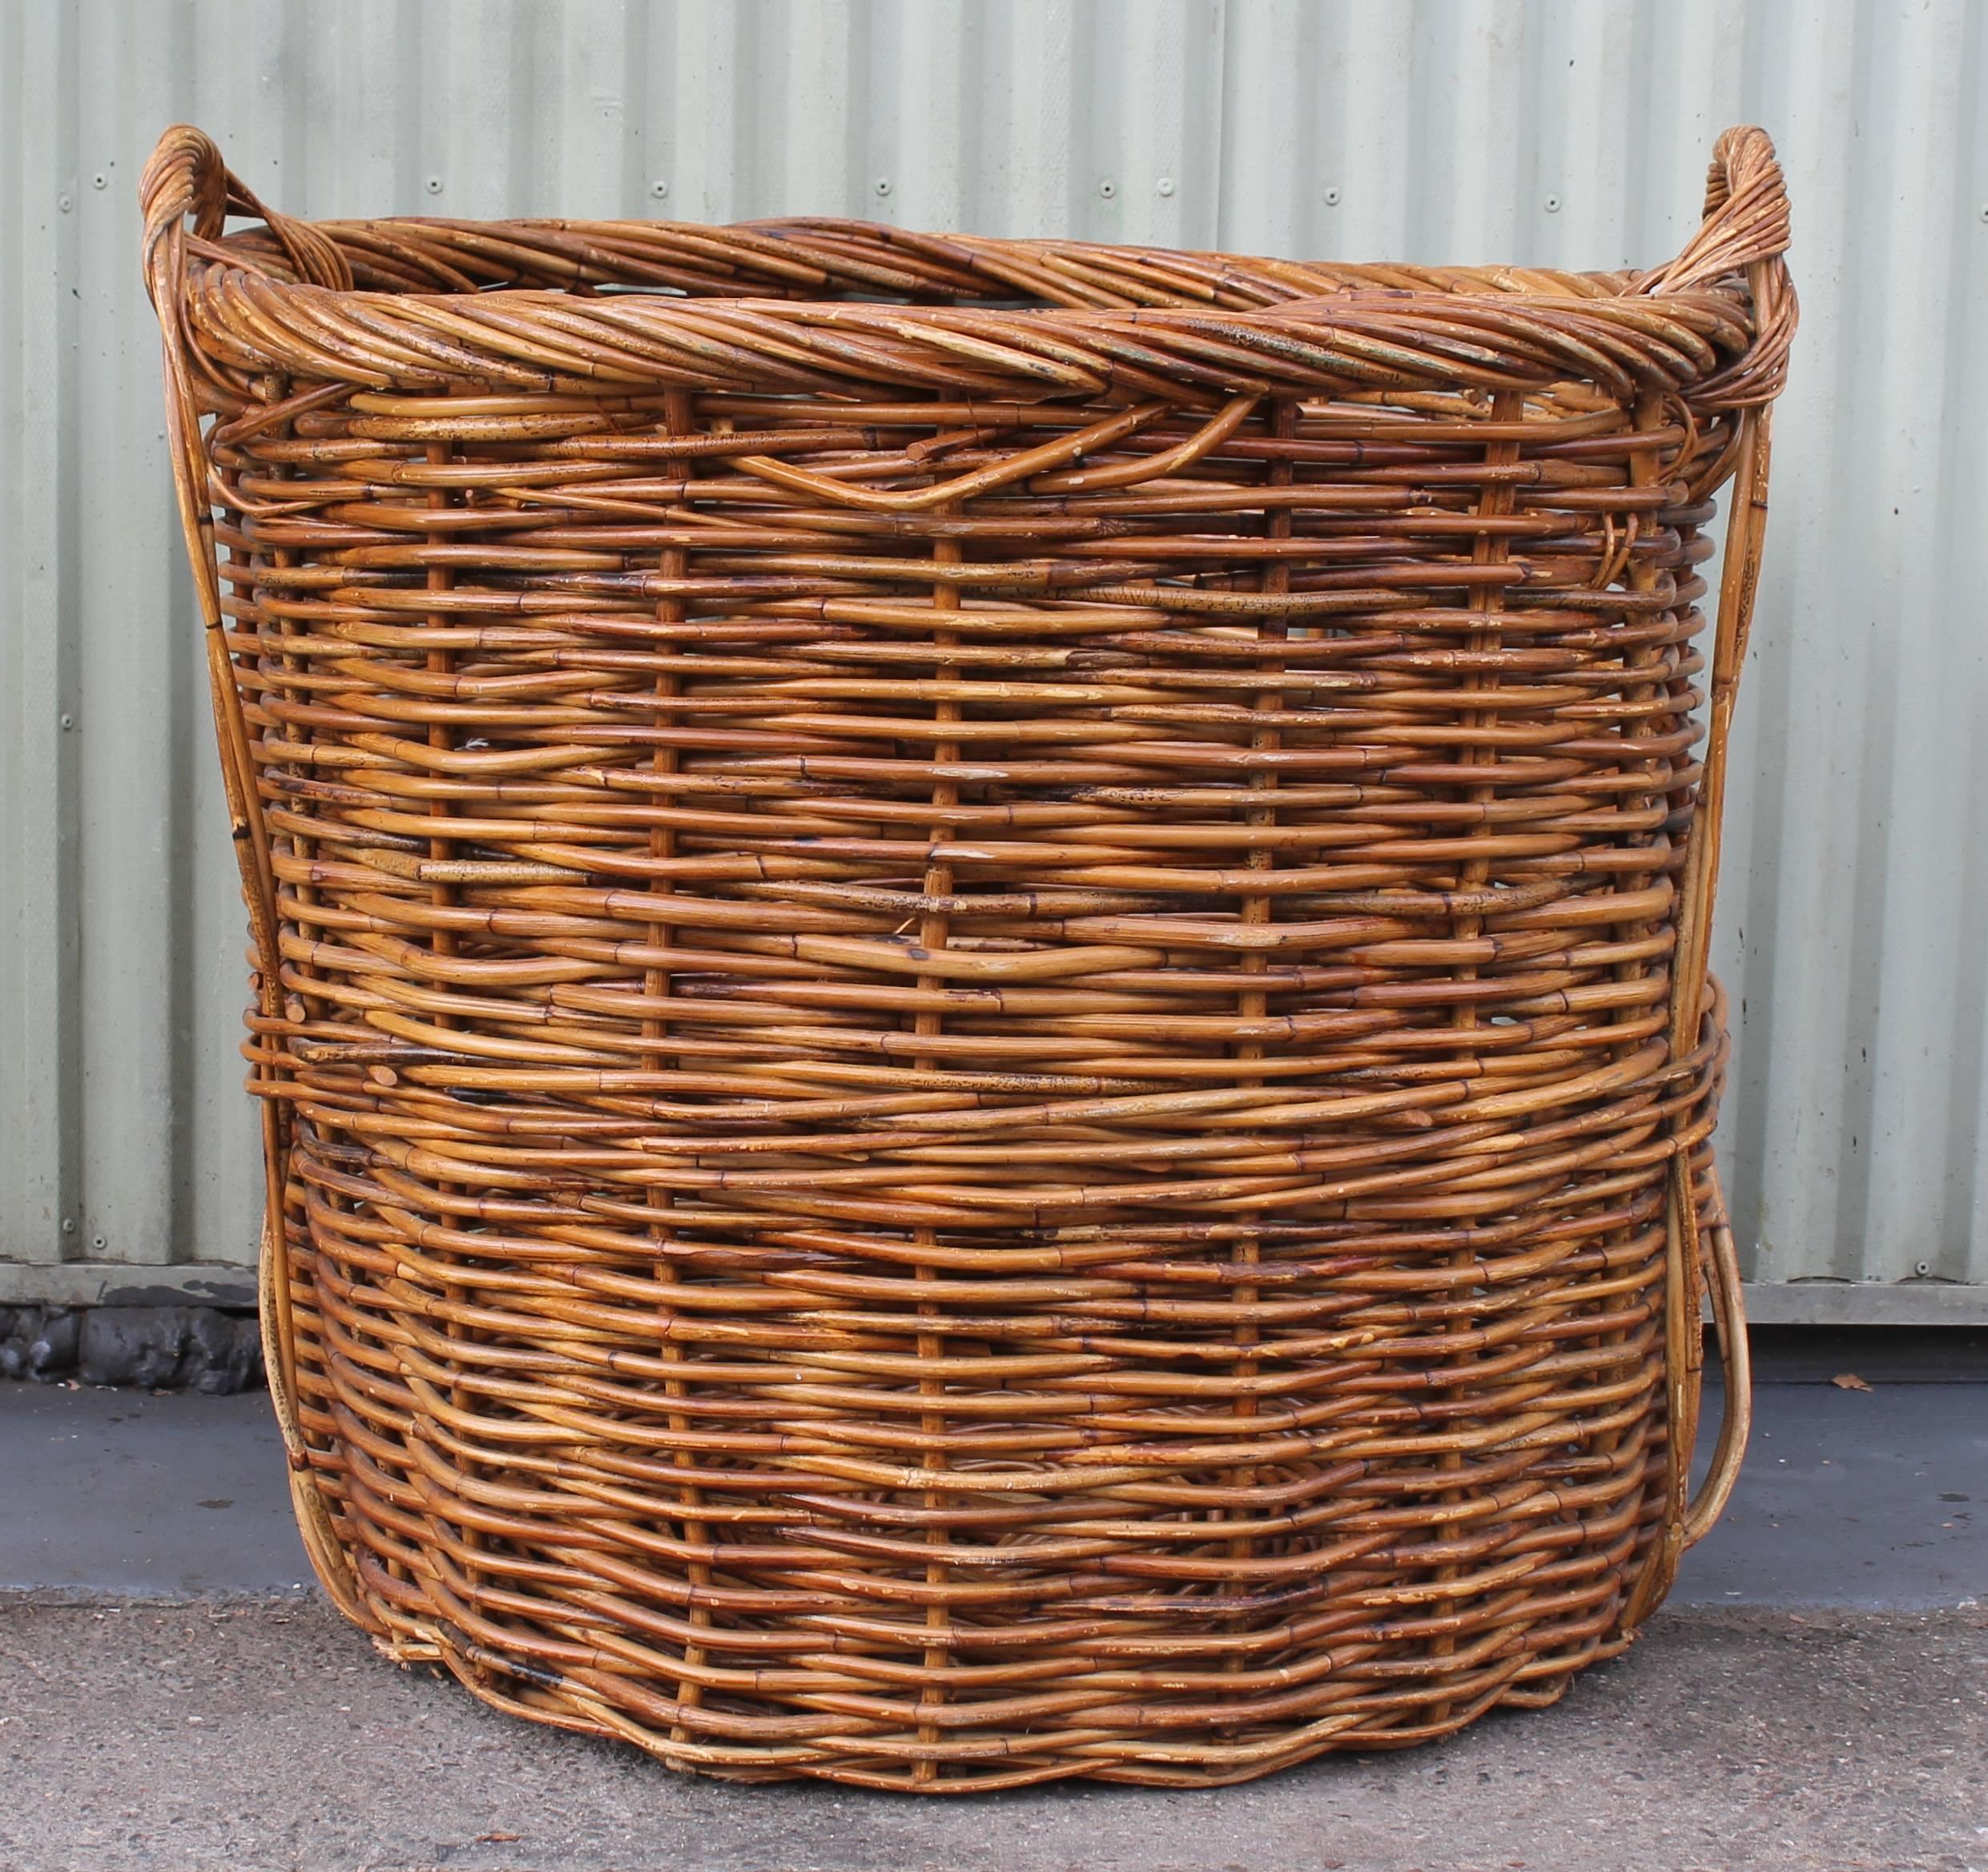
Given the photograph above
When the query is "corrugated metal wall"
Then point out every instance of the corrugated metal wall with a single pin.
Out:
(1567, 132)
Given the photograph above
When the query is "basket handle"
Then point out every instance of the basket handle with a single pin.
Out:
(187, 182)
(1745, 229)
(1694, 1250)
(186, 175)
(1745, 219)
(1736, 1418)
(1746, 225)
(186, 178)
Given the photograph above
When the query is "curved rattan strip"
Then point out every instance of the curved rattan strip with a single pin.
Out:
(982, 1030)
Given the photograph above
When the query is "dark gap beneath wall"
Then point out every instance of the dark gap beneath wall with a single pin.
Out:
(212, 1349)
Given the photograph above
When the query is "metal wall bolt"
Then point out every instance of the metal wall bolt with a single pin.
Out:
(67, 721)
(63, 203)
(99, 180)
(1107, 188)
(1553, 204)
(99, 1242)
(1164, 185)
(69, 1225)
(660, 190)
(434, 185)
(1332, 198)
(884, 185)
(1922, 1267)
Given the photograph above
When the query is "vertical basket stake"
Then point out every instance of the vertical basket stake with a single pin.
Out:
(1687, 1519)
(1745, 227)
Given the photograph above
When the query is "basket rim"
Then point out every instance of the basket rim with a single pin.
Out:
(1712, 326)
(801, 239)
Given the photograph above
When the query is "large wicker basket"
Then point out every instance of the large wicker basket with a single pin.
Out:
(979, 965)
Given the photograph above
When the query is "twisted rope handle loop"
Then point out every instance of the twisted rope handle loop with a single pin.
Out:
(1745, 229)
(185, 178)
(186, 175)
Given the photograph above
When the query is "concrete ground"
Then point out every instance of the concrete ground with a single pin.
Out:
(173, 1697)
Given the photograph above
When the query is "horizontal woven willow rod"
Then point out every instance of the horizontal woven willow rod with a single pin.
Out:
(979, 965)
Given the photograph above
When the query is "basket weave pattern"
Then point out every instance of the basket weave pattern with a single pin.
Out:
(979, 965)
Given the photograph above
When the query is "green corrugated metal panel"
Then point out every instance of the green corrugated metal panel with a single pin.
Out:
(1855, 913)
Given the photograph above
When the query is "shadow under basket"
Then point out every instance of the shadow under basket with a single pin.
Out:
(978, 966)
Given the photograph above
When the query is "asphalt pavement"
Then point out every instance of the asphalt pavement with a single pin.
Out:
(175, 1697)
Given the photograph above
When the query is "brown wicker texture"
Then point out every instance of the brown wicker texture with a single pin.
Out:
(981, 965)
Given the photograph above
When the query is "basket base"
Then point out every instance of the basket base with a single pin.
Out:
(1511, 1667)
(1198, 1762)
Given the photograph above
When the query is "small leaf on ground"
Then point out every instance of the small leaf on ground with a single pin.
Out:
(1849, 1381)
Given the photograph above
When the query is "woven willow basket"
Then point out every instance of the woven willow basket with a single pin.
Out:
(979, 965)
